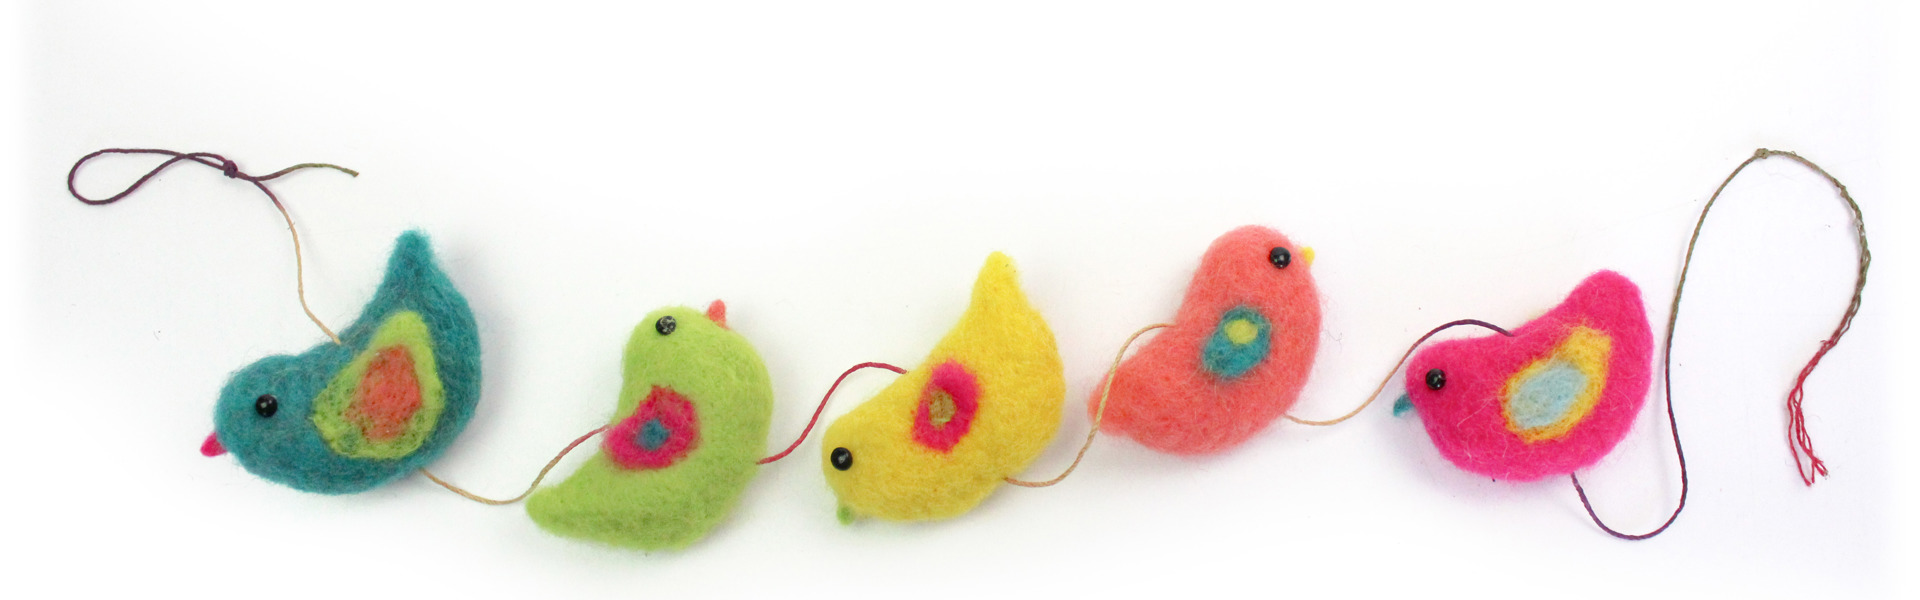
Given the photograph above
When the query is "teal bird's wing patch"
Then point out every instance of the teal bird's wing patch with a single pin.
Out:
(384, 401)
(388, 400)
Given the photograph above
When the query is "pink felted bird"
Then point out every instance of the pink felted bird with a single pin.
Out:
(1553, 397)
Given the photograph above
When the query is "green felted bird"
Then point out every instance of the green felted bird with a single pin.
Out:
(691, 426)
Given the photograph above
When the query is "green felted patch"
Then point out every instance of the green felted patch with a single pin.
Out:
(670, 507)
(356, 413)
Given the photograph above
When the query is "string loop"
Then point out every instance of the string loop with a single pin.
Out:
(226, 166)
(1799, 441)
(231, 170)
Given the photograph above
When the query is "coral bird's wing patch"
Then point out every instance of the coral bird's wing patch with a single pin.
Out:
(663, 429)
(387, 401)
(1240, 341)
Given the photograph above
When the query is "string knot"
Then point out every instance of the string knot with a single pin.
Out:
(232, 171)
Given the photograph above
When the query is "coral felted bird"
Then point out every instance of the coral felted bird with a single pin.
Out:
(346, 417)
(1555, 396)
(685, 440)
(1236, 356)
(943, 436)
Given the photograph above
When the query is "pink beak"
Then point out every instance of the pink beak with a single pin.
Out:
(212, 446)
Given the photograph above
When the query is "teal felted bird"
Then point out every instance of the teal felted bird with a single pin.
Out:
(386, 400)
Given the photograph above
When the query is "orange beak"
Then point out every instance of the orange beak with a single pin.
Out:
(212, 447)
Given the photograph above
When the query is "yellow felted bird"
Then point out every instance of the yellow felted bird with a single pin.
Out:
(938, 440)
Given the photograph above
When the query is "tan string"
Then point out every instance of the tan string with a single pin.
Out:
(530, 487)
(1098, 413)
(300, 275)
(1395, 370)
(1363, 405)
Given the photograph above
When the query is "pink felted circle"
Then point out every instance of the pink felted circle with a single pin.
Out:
(950, 383)
(1466, 418)
(1167, 398)
(663, 409)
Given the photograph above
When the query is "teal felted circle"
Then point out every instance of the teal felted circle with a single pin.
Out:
(654, 434)
(1239, 342)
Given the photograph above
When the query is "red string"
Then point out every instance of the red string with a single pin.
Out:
(1797, 418)
(823, 407)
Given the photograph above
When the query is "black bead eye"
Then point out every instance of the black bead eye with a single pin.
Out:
(266, 405)
(1280, 257)
(665, 325)
(841, 458)
(1436, 379)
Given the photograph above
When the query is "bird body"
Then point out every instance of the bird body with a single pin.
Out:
(1555, 396)
(690, 426)
(943, 436)
(1238, 352)
(385, 401)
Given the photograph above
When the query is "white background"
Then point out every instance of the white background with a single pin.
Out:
(837, 174)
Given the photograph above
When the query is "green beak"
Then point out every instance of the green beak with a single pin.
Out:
(1402, 406)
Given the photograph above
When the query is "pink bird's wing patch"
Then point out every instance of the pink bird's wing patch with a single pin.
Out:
(946, 408)
(1550, 396)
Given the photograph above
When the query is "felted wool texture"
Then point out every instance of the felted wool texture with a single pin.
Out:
(288, 448)
(637, 505)
(1190, 390)
(1554, 398)
(663, 430)
(1008, 349)
(947, 406)
(386, 402)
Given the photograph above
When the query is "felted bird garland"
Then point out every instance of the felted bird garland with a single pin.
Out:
(347, 417)
(1555, 396)
(943, 436)
(692, 421)
(1236, 356)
